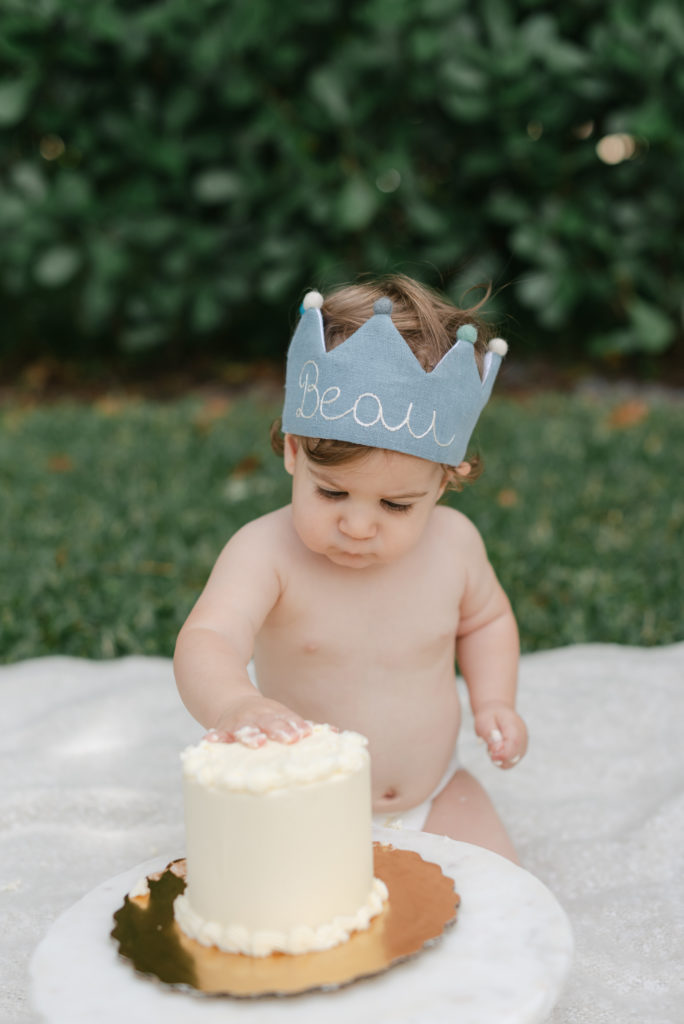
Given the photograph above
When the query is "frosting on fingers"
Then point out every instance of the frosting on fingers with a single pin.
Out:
(250, 736)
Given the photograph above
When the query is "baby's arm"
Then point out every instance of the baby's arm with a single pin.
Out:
(216, 643)
(488, 650)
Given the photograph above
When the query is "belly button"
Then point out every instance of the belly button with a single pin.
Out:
(390, 794)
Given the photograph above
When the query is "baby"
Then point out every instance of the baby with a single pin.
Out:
(354, 600)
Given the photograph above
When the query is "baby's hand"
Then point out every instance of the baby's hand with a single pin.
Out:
(504, 732)
(254, 720)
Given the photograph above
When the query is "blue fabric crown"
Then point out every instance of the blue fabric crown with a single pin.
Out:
(371, 389)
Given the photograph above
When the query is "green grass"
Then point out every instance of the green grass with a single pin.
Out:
(112, 516)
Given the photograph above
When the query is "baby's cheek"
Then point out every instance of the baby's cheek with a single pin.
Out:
(315, 538)
(306, 530)
(409, 535)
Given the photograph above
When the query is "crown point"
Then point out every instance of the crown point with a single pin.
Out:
(498, 346)
(312, 300)
(383, 305)
(467, 333)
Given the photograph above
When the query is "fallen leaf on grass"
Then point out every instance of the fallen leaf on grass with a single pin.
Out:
(111, 405)
(507, 498)
(60, 464)
(628, 414)
(246, 466)
(212, 409)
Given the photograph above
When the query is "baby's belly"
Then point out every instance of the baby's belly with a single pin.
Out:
(407, 774)
(411, 720)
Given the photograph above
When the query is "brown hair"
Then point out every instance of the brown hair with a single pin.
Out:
(427, 322)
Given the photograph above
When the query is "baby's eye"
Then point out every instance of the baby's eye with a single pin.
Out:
(395, 506)
(332, 495)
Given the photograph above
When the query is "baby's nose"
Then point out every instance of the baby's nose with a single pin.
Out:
(357, 524)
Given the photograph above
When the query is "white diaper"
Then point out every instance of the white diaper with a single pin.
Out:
(414, 818)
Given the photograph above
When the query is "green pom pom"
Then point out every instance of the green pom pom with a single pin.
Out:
(467, 333)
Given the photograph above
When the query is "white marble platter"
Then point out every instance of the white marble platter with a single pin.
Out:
(505, 960)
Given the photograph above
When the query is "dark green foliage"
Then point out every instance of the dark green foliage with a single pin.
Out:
(112, 517)
(175, 174)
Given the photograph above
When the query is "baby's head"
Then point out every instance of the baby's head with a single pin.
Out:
(428, 324)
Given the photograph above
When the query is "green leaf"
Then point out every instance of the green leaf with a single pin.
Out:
(327, 89)
(97, 305)
(278, 282)
(537, 290)
(73, 191)
(653, 327)
(216, 185)
(649, 330)
(508, 207)
(540, 34)
(12, 210)
(142, 338)
(207, 312)
(667, 17)
(429, 220)
(357, 204)
(464, 76)
(56, 266)
(29, 179)
(15, 95)
(469, 109)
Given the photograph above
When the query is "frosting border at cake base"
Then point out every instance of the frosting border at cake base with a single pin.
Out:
(302, 939)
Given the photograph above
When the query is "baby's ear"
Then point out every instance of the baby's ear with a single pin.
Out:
(290, 448)
(453, 476)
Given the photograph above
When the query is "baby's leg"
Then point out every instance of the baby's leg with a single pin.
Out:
(464, 811)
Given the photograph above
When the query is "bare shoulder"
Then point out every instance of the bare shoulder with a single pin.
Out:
(268, 531)
(460, 543)
(246, 580)
(483, 598)
(455, 528)
(257, 549)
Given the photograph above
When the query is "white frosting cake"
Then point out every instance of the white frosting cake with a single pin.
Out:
(278, 844)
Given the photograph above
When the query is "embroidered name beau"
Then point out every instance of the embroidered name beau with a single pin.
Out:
(371, 389)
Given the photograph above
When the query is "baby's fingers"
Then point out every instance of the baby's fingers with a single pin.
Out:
(488, 730)
(282, 730)
(505, 762)
(505, 735)
(287, 730)
(506, 750)
(248, 735)
(497, 747)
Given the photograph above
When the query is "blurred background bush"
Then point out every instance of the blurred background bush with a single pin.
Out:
(173, 175)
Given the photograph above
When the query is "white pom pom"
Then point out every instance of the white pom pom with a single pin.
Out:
(499, 346)
(312, 300)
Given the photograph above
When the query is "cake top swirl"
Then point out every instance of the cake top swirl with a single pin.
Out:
(237, 768)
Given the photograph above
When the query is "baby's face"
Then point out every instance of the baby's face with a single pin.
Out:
(364, 513)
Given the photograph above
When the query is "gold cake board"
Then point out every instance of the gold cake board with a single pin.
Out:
(421, 903)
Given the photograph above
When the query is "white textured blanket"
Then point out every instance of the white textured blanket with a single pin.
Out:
(90, 787)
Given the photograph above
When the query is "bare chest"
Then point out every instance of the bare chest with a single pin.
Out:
(390, 617)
